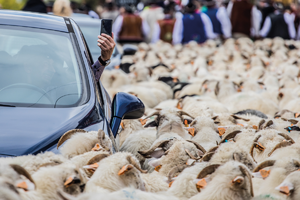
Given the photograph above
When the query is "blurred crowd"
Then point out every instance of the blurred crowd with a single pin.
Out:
(175, 21)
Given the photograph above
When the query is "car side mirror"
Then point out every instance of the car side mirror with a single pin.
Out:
(125, 106)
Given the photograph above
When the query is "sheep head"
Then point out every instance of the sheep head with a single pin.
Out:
(290, 185)
(225, 119)
(171, 115)
(27, 184)
(239, 178)
(181, 152)
(290, 165)
(104, 144)
(261, 146)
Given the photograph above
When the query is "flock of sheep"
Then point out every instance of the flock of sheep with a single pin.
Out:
(221, 123)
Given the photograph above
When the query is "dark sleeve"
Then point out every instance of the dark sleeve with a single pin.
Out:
(97, 70)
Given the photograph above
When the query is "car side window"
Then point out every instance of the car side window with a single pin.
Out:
(90, 59)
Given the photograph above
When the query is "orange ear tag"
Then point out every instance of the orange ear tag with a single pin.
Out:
(68, 181)
(285, 190)
(255, 127)
(97, 147)
(22, 185)
(297, 115)
(192, 62)
(201, 184)
(179, 106)
(260, 146)
(175, 80)
(157, 168)
(117, 67)
(210, 62)
(122, 125)
(264, 173)
(248, 66)
(204, 86)
(143, 121)
(221, 131)
(237, 180)
(91, 168)
(240, 125)
(292, 124)
(124, 169)
(170, 184)
(191, 131)
(186, 124)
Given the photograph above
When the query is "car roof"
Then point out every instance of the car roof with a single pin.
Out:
(86, 21)
(31, 19)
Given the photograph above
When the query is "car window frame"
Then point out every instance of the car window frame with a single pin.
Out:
(98, 90)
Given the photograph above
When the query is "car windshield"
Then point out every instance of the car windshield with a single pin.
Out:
(38, 68)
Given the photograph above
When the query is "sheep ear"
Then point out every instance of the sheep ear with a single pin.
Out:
(154, 162)
(187, 121)
(280, 96)
(215, 117)
(150, 71)
(259, 146)
(238, 180)
(125, 169)
(285, 188)
(201, 183)
(217, 89)
(26, 185)
(238, 117)
(71, 180)
(236, 157)
(22, 171)
(91, 168)
(151, 124)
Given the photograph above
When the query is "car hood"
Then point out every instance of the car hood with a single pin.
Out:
(31, 130)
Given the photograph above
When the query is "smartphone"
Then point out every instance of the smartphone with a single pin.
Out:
(106, 26)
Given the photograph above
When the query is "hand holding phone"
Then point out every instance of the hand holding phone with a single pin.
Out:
(106, 26)
(106, 42)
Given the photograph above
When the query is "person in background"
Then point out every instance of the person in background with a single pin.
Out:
(266, 8)
(90, 12)
(219, 18)
(164, 27)
(279, 24)
(151, 14)
(192, 27)
(245, 18)
(35, 6)
(62, 8)
(110, 11)
(49, 5)
(130, 28)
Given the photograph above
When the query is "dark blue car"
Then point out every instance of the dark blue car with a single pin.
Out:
(47, 86)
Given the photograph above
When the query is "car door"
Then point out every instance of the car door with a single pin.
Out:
(103, 98)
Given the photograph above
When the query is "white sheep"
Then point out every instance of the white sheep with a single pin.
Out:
(205, 132)
(229, 181)
(78, 141)
(49, 180)
(116, 172)
(290, 186)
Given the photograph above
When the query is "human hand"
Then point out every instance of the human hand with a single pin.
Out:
(107, 45)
